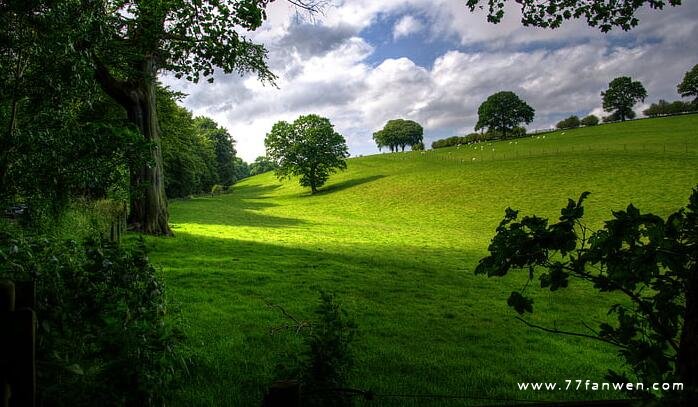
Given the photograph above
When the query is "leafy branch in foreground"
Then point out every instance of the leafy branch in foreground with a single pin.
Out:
(603, 14)
(649, 260)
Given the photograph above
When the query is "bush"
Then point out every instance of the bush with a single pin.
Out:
(418, 146)
(590, 120)
(101, 337)
(327, 359)
(571, 122)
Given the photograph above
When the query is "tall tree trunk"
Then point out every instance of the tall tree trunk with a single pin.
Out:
(148, 201)
(148, 206)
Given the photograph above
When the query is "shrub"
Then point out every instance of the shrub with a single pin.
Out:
(327, 358)
(571, 122)
(590, 120)
(101, 337)
(418, 146)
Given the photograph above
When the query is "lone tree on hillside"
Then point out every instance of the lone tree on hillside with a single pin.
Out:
(502, 112)
(309, 148)
(689, 86)
(552, 13)
(651, 262)
(128, 42)
(399, 133)
(622, 94)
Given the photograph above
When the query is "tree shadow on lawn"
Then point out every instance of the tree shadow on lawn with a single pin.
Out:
(242, 207)
(340, 186)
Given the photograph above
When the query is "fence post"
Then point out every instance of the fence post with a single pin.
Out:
(17, 344)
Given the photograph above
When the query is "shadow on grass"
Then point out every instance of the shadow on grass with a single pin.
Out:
(244, 206)
(350, 183)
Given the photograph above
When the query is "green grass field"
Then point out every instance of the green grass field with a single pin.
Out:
(397, 237)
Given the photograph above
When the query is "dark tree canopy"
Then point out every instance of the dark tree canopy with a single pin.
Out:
(309, 148)
(689, 85)
(590, 120)
(604, 14)
(650, 261)
(124, 44)
(399, 133)
(622, 94)
(502, 112)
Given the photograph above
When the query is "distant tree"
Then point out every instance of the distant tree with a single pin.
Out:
(242, 169)
(382, 141)
(399, 133)
(651, 263)
(502, 112)
(571, 122)
(261, 165)
(689, 86)
(665, 108)
(223, 146)
(309, 148)
(603, 14)
(590, 120)
(622, 94)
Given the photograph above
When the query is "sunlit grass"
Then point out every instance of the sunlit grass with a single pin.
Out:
(397, 238)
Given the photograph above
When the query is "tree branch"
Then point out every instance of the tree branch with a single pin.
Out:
(578, 334)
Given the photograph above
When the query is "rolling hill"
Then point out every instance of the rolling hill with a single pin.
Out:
(397, 237)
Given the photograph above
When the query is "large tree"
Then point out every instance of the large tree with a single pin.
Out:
(604, 14)
(309, 148)
(689, 86)
(502, 112)
(128, 42)
(622, 94)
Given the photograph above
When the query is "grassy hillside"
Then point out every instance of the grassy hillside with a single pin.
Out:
(397, 237)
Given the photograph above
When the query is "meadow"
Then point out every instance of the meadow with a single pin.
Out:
(397, 237)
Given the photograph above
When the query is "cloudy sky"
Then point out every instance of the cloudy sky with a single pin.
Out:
(363, 62)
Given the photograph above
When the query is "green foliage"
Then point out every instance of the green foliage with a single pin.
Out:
(102, 336)
(309, 148)
(551, 14)
(649, 260)
(663, 108)
(399, 133)
(622, 94)
(261, 165)
(418, 146)
(571, 122)
(502, 112)
(689, 85)
(197, 153)
(241, 169)
(327, 358)
(590, 120)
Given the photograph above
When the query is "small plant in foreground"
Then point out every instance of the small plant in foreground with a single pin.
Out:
(325, 363)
